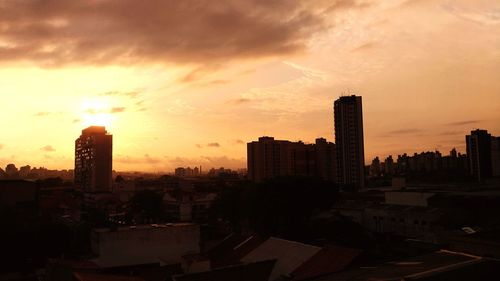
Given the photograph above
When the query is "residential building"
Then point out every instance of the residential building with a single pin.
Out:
(188, 205)
(269, 158)
(495, 156)
(93, 160)
(479, 154)
(348, 118)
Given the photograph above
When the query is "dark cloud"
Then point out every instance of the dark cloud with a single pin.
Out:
(461, 123)
(76, 120)
(53, 33)
(199, 145)
(239, 142)
(48, 148)
(213, 144)
(1, 146)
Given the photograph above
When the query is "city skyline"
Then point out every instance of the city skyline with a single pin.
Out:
(425, 83)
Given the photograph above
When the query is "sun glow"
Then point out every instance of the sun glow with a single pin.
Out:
(96, 112)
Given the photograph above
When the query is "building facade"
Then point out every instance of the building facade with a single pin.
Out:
(348, 119)
(495, 156)
(479, 154)
(93, 160)
(268, 158)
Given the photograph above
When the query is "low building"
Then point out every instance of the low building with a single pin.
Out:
(188, 205)
(145, 244)
(18, 193)
(408, 198)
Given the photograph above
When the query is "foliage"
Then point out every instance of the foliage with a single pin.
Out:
(281, 206)
(148, 204)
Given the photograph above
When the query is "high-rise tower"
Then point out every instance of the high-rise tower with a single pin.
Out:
(93, 160)
(479, 154)
(348, 115)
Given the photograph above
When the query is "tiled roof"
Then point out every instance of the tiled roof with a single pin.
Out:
(232, 249)
(289, 255)
(85, 276)
(330, 259)
(258, 271)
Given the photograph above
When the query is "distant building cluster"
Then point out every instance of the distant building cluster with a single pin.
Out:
(222, 172)
(341, 162)
(481, 162)
(424, 162)
(187, 172)
(26, 172)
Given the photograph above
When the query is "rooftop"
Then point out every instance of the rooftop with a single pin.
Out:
(144, 226)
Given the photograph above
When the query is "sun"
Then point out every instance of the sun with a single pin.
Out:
(96, 112)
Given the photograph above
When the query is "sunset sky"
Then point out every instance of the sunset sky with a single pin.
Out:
(186, 83)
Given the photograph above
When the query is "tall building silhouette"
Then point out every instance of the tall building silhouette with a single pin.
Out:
(495, 156)
(479, 153)
(93, 160)
(348, 119)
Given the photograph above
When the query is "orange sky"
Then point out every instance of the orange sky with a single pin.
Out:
(185, 83)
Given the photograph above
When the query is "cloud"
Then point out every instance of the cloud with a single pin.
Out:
(241, 101)
(42, 113)
(48, 148)
(132, 94)
(146, 159)
(219, 82)
(364, 47)
(464, 122)
(477, 15)
(1, 146)
(450, 133)
(346, 4)
(54, 33)
(236, 142)
(112, 110)
(117, 109)
(199, 145)
(406, 131)
(213, 144)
